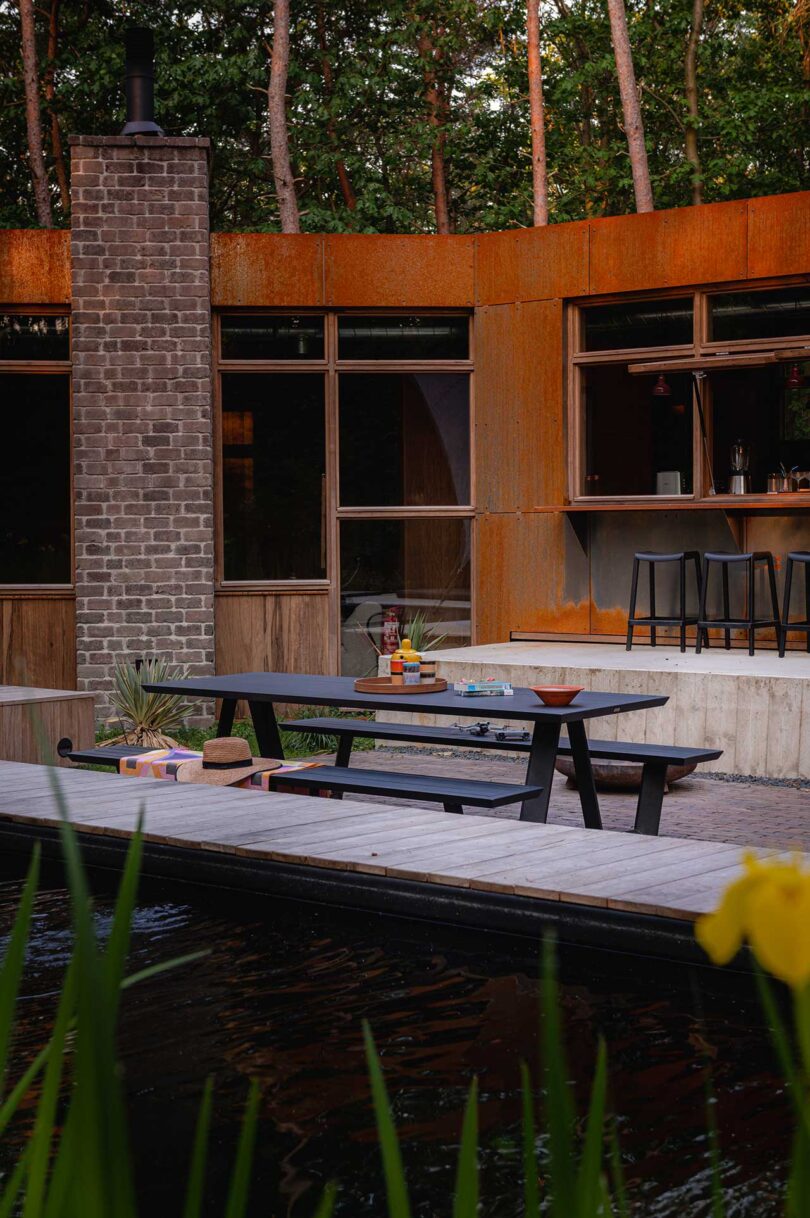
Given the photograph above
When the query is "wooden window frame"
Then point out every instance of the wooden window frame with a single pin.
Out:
(44, 367)
(577, 359)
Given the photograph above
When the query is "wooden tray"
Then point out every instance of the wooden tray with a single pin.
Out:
(384, 685)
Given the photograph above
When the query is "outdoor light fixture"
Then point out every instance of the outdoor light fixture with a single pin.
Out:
(140, 83)
(794, 379)
(661, 389)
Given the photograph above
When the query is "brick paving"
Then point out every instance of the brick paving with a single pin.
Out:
(748, 813)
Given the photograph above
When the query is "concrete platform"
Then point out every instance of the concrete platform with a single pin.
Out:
(755, 708)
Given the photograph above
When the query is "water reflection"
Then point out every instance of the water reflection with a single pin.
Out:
(280, 997)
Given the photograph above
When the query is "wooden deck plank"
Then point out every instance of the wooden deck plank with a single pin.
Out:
(672, 878)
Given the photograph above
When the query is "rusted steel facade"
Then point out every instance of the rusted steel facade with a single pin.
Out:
(534, 569)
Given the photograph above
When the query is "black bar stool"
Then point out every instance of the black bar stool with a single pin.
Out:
(803, 557)
(727, 623)
(653, 621)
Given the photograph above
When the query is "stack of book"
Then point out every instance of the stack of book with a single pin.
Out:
(482, 689)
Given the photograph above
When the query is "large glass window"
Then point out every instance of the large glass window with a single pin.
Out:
(638, 323)
(404, 439)
(416, 571)
(35, 479)
(394, 338)
(34, 336)
(773, 313)
(637, 442)
(249, 336)
(273, 476)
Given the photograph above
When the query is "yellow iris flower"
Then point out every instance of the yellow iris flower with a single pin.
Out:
(769, 907)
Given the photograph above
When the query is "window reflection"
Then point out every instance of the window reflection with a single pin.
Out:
(32, 336)
(638, 323)
(391, 337)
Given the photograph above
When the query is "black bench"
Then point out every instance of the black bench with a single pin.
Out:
(452, 793)
(655, 759)
(100, 754)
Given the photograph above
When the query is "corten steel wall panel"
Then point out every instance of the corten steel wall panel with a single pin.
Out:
(38, 641)
(400, 272)
(779, 235)
(532, 574)
(272, 632)
(34, 266)
(532, 264)
(266, 270)
(519, 443)
(668, 248)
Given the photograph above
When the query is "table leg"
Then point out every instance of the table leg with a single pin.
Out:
(227, 712)
(584, 775)
(540, 770)
(266, 728)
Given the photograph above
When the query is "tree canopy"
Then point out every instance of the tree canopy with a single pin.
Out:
(360, 131)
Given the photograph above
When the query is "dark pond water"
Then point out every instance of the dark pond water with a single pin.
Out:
(280, 997)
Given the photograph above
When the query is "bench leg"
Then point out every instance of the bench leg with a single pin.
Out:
(266, 727)
(344, 750)
(540, 770)
(650, 798)
(584, 774)
(227, 712)
(457, 808)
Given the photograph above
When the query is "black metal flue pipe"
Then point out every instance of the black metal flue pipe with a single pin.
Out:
(140, 83)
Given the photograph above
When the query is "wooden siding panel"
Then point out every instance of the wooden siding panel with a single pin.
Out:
(38, 641)
(664, 249)
(400, 272)
(272, 632)
(519, 436)
(779, 235)
(531, 574)
(34, 266)
(266, 270)
(532, 264)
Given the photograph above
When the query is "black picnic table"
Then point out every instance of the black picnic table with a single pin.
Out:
(262, 689)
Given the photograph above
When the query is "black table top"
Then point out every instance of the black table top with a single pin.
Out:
(305, 689)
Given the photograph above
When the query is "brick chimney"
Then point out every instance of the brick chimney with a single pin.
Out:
(142, 435)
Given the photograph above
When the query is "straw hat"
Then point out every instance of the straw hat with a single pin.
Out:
(226, 760)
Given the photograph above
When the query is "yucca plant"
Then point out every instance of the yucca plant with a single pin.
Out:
(423, 637)
(148, 719)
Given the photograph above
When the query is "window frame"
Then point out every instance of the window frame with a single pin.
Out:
(331, 367)
(577, 359)
(44, 367)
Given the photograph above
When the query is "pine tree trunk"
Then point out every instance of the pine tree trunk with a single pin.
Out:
(277, 110)
(437, 118)
(349, 197)
(537, 115)
(690, 82)
(50, 94)
(633, 125)
(33, 121)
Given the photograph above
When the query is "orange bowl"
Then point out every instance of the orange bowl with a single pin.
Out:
(556, 695)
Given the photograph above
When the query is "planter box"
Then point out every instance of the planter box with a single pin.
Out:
(33, 721)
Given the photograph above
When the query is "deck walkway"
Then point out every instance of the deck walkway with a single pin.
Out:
(663, 878)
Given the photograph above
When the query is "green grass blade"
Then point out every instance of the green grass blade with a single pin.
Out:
(41, 1139)
(327, 1202)
(240, 1180)
(165, 966)
(120, 933)
(531, 1171)
(21, 1088)
(396, 1187)
(798, 1187)
(13, 961)
(784, 1050)
(589, 1179)
(11, 1192)
(195, 1188)
(559, 1108)
(465, 1202)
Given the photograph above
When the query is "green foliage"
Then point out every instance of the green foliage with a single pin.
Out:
(148, 718)
(212, 71)
(423, 637)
